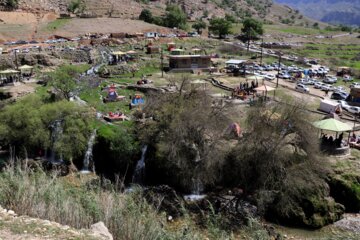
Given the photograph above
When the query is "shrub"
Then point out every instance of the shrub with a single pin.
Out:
(128, 216)
(146, 16)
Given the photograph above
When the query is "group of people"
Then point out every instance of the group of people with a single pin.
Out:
(333, 142)
(246, 87)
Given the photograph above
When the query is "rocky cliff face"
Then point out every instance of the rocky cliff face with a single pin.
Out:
(132, 8)
(332, 11)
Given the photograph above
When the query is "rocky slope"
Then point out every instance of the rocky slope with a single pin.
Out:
(13, 227)
(132, 8)
(331, 11)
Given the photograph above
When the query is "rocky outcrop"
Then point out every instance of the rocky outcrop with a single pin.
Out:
(24, 227)
(99, 229)
(345, 189)
(311, 209)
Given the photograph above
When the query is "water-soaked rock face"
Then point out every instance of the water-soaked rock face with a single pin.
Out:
(345, 189)
(311, 209)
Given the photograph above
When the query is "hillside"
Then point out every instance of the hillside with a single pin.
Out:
(331, 11)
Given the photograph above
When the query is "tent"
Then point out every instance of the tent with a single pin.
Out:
(333, 125)
(137, 100)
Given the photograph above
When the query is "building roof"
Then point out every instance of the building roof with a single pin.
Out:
(189, 56)
(235, 61)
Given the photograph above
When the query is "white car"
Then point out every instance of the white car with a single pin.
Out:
(330, 79)
(343, 103)
(353, 109)
(269, 77)
(318, 85)
(347, 78)
(340, 89)
(355, 85)
(302, 88)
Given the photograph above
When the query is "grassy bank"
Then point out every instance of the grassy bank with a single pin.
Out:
(81, 200)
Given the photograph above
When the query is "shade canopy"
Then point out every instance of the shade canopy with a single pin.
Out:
(26, 67)
(118, 53)
(8, 71)
(333, 125)
(264, 88)
(255, 78)
(131, 52)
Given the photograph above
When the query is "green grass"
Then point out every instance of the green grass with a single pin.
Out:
(295, 30)
(58, 23)
(92, 97)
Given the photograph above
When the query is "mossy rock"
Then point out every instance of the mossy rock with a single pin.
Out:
(345, 189)
(313, 210)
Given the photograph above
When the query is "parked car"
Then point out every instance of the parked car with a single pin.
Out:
(327, 87)
(355, 85)
(353, 109)
(338, 96)
(344, 104)
(347, 78)
(302, 88)
(318, 85)
(330, 79)
(269, 77)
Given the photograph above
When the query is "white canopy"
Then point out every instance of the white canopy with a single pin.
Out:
(235, 61)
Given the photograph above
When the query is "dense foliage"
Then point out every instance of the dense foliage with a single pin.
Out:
(220, 26)
(174, 17)
(63, 80)
(26, 126)
(199, 25)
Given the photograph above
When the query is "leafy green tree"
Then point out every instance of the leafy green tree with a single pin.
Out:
(175, 17)
(220, 26)
(146, 16)
(10, 4)
(230, 18)
(26, 126)
(251, 29)
(76, 6)
(199, 25)
(63, 80)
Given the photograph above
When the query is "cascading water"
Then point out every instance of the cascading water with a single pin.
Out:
(196, 189)
(56, 132)
(88, 158)
(139, 172)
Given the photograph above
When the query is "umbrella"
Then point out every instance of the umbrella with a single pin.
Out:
(333, 125)
(118, 53)
(131, 52)
(25, 67)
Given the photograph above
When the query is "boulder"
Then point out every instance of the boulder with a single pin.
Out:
(312, 210)
(345, 189)
(100, 229)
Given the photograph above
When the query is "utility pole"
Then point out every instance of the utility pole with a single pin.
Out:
(261, 56)
(162, 62)
(16, 62)
(277, 76)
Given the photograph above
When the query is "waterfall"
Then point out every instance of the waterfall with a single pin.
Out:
(196, 189)
(88, 158)
(139, 172)
(56, 132)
